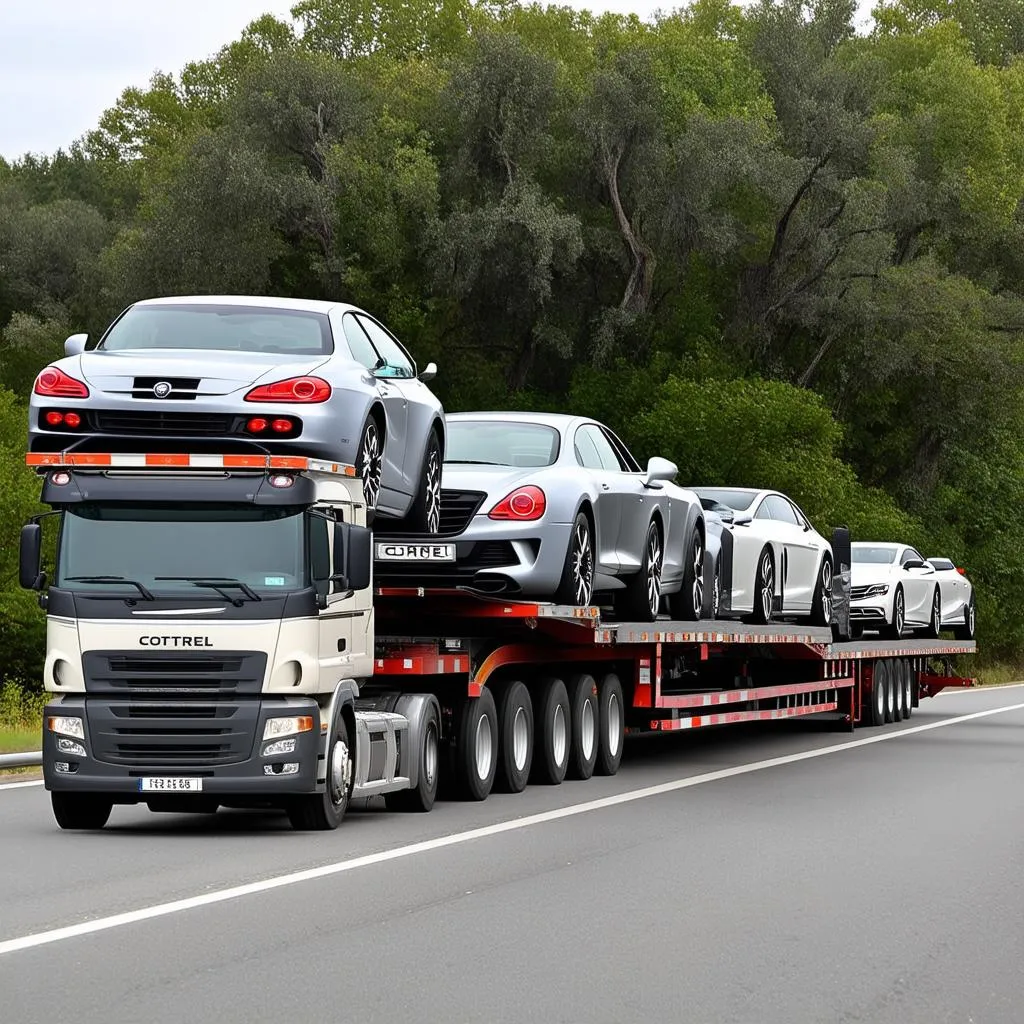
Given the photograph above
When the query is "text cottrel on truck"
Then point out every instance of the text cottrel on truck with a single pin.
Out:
(214, 639)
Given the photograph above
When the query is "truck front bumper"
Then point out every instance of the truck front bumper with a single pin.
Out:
(119, 761)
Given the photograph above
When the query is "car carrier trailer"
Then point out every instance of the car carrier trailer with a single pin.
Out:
(305, 690)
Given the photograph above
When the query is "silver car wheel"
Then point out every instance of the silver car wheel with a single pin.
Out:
(716, 594)
(372, 464)
(826, 591)
(898, 614)
(582, 564)
(433, 492)
(698, 576)
(654, 571)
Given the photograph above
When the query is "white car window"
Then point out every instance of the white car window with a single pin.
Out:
(780, 510)
(764, 510)
(601, 447)
(625, 456)
(358, 343)
(586, 451)
(397, 361)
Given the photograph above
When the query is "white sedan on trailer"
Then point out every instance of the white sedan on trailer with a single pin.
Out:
(896, 591)
(769, 560)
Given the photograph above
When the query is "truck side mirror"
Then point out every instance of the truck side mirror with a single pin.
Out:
(29, 573)
(353, 556)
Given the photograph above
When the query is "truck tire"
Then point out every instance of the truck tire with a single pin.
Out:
(553, 732)
(421, 797)
(611, 723)
(80, 810)
(897, 690)
(891, 682)
(516, 738)
(475, 754)
(583, 718)
(321, 812)
(878, 698)
(908, 688)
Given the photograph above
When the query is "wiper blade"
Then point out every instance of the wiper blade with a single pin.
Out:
(110, 580)
(218, 583)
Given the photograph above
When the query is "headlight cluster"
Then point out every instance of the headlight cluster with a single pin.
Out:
(878, 590)
(282, 733)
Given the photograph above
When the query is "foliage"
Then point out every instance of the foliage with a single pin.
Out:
(748, 238)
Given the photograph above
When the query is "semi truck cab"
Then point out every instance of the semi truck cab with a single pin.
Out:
(209, 621)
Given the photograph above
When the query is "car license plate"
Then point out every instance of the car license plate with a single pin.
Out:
(170, 785)
(388, 552)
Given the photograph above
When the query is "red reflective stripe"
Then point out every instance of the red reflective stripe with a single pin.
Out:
(87, 459)
(42, 459)
(245, 461)
(288, 462)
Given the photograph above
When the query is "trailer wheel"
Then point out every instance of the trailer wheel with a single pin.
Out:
(80, 810)
(421, 797)
(611, 725)
(476, 747)
(897, 687)
(584, 717)
(879, 688)
(554, 733)
(321, 812)
(515, 744)
(908, 688)
(890, 691)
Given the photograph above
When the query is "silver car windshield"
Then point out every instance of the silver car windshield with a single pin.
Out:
(221, 328)
(738, 501)
(501, 443)
(874, 555)
(264, 548)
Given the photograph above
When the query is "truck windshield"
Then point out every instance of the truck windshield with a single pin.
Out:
(262, 548)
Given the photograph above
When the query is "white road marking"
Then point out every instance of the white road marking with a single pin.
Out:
(457, 838)
(21, 785)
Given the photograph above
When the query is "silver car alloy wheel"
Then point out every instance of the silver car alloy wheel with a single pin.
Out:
(698, 576)
(936, 613)
(826, 590)
(898, 614)
(768, 587)
(433, 492)
(582, 564)
(372, 465)
(716, 594)
(654, 571)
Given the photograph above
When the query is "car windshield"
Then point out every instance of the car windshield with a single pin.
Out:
(738, 501)
(878, 555)
(221, 328)
(262, 548)
(501, 443)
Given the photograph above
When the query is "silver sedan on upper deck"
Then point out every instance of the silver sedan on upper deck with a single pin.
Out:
(555, 507)
(321, 379)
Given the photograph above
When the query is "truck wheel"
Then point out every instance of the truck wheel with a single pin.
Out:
(476, 747)
(320, 812)
(908, 688)
(80, 810)
(879, 685)
(515, 746)
(896, 685)
(422, 796)
(554, 734)
(611, 724)
(891, 683)
(583, 718)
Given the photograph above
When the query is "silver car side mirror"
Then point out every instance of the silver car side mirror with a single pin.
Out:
(429, 372)
(659, 470)
(75, 345)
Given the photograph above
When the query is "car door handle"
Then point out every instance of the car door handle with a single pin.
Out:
(606, 487)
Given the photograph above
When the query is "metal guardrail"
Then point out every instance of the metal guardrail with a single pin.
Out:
(28, 759)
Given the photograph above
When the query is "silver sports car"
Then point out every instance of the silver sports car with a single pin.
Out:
(555, 507)
(322, 379)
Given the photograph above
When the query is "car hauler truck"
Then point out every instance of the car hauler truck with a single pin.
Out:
(214, 639)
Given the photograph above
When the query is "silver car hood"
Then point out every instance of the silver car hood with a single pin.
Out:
(219, 373)
(492, 479)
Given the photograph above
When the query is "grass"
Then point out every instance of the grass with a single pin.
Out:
(998, 673)
(21, 718)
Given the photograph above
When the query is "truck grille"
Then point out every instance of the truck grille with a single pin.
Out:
(161, 735)
(156, 423)
(458, 508)
(155, 673)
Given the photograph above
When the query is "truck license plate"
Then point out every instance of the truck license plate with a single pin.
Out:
(166, 785)
(388, 552)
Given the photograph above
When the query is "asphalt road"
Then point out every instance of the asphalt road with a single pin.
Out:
(880, 882)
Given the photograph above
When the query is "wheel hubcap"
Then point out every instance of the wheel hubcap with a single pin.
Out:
(559, 735)
(372, 465)
(716, 597)
(826, 591)
(484, 747)
(769, 586)
(899, 613)
(433, 492)
(614, 724)
(341, 772)
(582, 565)
(698, 576)
(654, 571)
(430, 755)
(936, 615)
(588, 730)
(520, 739)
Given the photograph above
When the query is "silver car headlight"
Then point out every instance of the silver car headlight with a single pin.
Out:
(878, 590)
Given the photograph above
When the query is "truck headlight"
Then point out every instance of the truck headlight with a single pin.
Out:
(66, 746)
(66, 726)
(279, 747)
(878, 590)
(290, 726)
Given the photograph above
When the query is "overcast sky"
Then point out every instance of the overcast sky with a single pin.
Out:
(63, 62)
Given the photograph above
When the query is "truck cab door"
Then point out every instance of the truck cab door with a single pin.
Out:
(336, 620)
